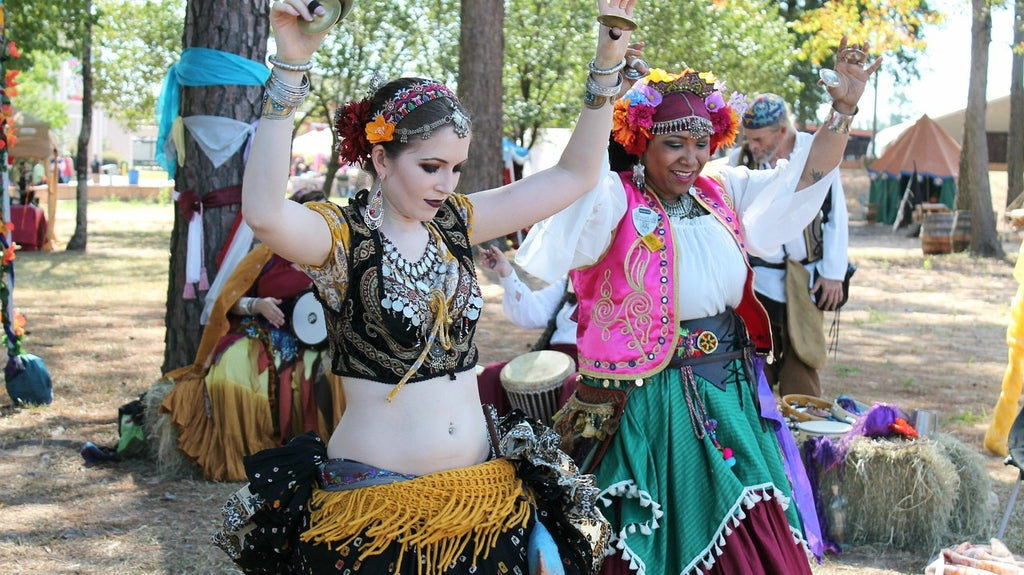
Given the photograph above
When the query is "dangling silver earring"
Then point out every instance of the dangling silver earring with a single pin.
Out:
(374, 214)
(638, 175)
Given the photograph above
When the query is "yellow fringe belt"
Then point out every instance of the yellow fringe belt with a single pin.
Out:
(437, 514)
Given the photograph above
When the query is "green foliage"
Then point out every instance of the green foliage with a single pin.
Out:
(547, 47)
(36, 88)
(746, 43)
(135, 43)
(389, 39)
(47, 28)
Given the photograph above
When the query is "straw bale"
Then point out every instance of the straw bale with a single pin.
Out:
(162, 436)
(972, 515)
(898, 493)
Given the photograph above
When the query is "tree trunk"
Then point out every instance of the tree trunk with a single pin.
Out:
(481, 46)
(974, 184)
(1015, 145)
(80, 236)
(240, 27)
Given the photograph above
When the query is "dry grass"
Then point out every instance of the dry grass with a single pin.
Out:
(922, 333)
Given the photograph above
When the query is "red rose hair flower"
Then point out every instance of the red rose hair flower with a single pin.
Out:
(350, 124)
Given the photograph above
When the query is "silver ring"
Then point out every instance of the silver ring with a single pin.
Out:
(854, 56)
(632, 72)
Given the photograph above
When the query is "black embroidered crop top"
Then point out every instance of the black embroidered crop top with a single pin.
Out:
(379, 318)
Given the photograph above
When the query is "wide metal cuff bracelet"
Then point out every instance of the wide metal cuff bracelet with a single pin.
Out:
(600, 90)
(839, 122)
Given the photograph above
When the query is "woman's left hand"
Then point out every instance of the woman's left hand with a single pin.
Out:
(612, 49)
(269, 308)
(853, 70)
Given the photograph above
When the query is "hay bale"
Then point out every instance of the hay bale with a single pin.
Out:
(898, 493)
(972, 514)
(162, 436)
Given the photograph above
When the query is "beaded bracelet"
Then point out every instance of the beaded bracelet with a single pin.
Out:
(289, 67)
(592, 65)
(839, 122)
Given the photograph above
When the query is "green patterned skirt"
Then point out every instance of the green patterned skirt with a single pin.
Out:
(671, 496)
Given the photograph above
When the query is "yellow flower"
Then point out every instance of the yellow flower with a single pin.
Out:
(708, 78)
(380, 130)
(659, 75)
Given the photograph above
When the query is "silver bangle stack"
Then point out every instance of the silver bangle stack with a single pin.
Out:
(839, 122)
(247, 305)
(281, 98)
(596, 95)
(289, 67)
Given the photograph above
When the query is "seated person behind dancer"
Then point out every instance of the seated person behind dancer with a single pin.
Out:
(692, 474)
(254, 384)
(551, 308)
(409, 481)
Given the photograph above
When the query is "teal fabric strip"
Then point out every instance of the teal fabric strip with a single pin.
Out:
(200, 67)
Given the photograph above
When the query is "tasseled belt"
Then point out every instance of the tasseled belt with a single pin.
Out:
(438, 515)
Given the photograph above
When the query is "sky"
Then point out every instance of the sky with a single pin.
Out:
(945, 68)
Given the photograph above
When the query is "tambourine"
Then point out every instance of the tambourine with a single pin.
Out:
(336, 10)
(307, 319)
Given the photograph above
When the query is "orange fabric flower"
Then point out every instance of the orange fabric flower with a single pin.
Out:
(9, 254)
(380, 130)
(19, 324)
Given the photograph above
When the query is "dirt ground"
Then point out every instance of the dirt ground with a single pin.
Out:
(922, 332)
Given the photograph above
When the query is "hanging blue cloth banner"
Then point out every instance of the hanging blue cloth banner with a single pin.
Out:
(200, 67)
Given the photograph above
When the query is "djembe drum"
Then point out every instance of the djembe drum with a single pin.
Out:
(533, 382)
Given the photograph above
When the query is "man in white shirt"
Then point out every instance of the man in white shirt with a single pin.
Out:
(770, 136)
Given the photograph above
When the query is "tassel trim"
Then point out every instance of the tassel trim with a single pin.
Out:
(435, 516)
(750, 497)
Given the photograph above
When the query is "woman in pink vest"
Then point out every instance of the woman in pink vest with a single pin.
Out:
(671, 338)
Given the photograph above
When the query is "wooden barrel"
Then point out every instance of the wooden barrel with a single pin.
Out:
(936, 232)
(961, 236)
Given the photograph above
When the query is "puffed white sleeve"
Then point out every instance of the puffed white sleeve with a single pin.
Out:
(528, 308)
(576, 236)
(770, 208)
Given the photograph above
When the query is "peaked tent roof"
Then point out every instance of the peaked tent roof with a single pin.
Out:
(924, 147)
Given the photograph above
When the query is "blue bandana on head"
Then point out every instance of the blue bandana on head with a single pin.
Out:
(766, 110)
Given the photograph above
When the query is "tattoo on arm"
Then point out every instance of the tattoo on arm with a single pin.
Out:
(817, 176)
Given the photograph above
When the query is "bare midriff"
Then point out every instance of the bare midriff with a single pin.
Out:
(430, 426)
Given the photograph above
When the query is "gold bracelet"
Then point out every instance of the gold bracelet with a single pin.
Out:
(839, 122)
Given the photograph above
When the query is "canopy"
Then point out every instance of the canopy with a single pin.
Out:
(34, 139)
(924, 148)
(316, 142)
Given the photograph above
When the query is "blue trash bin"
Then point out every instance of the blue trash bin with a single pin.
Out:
(133, 177)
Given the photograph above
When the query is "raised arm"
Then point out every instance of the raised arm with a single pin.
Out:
(829, 144)
(517, 205)
(289, 229)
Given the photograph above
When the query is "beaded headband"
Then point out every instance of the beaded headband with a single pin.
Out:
(384, 125)
(664, 103)
(359, 128)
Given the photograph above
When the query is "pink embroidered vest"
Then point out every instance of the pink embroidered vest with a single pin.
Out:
(627, 316)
